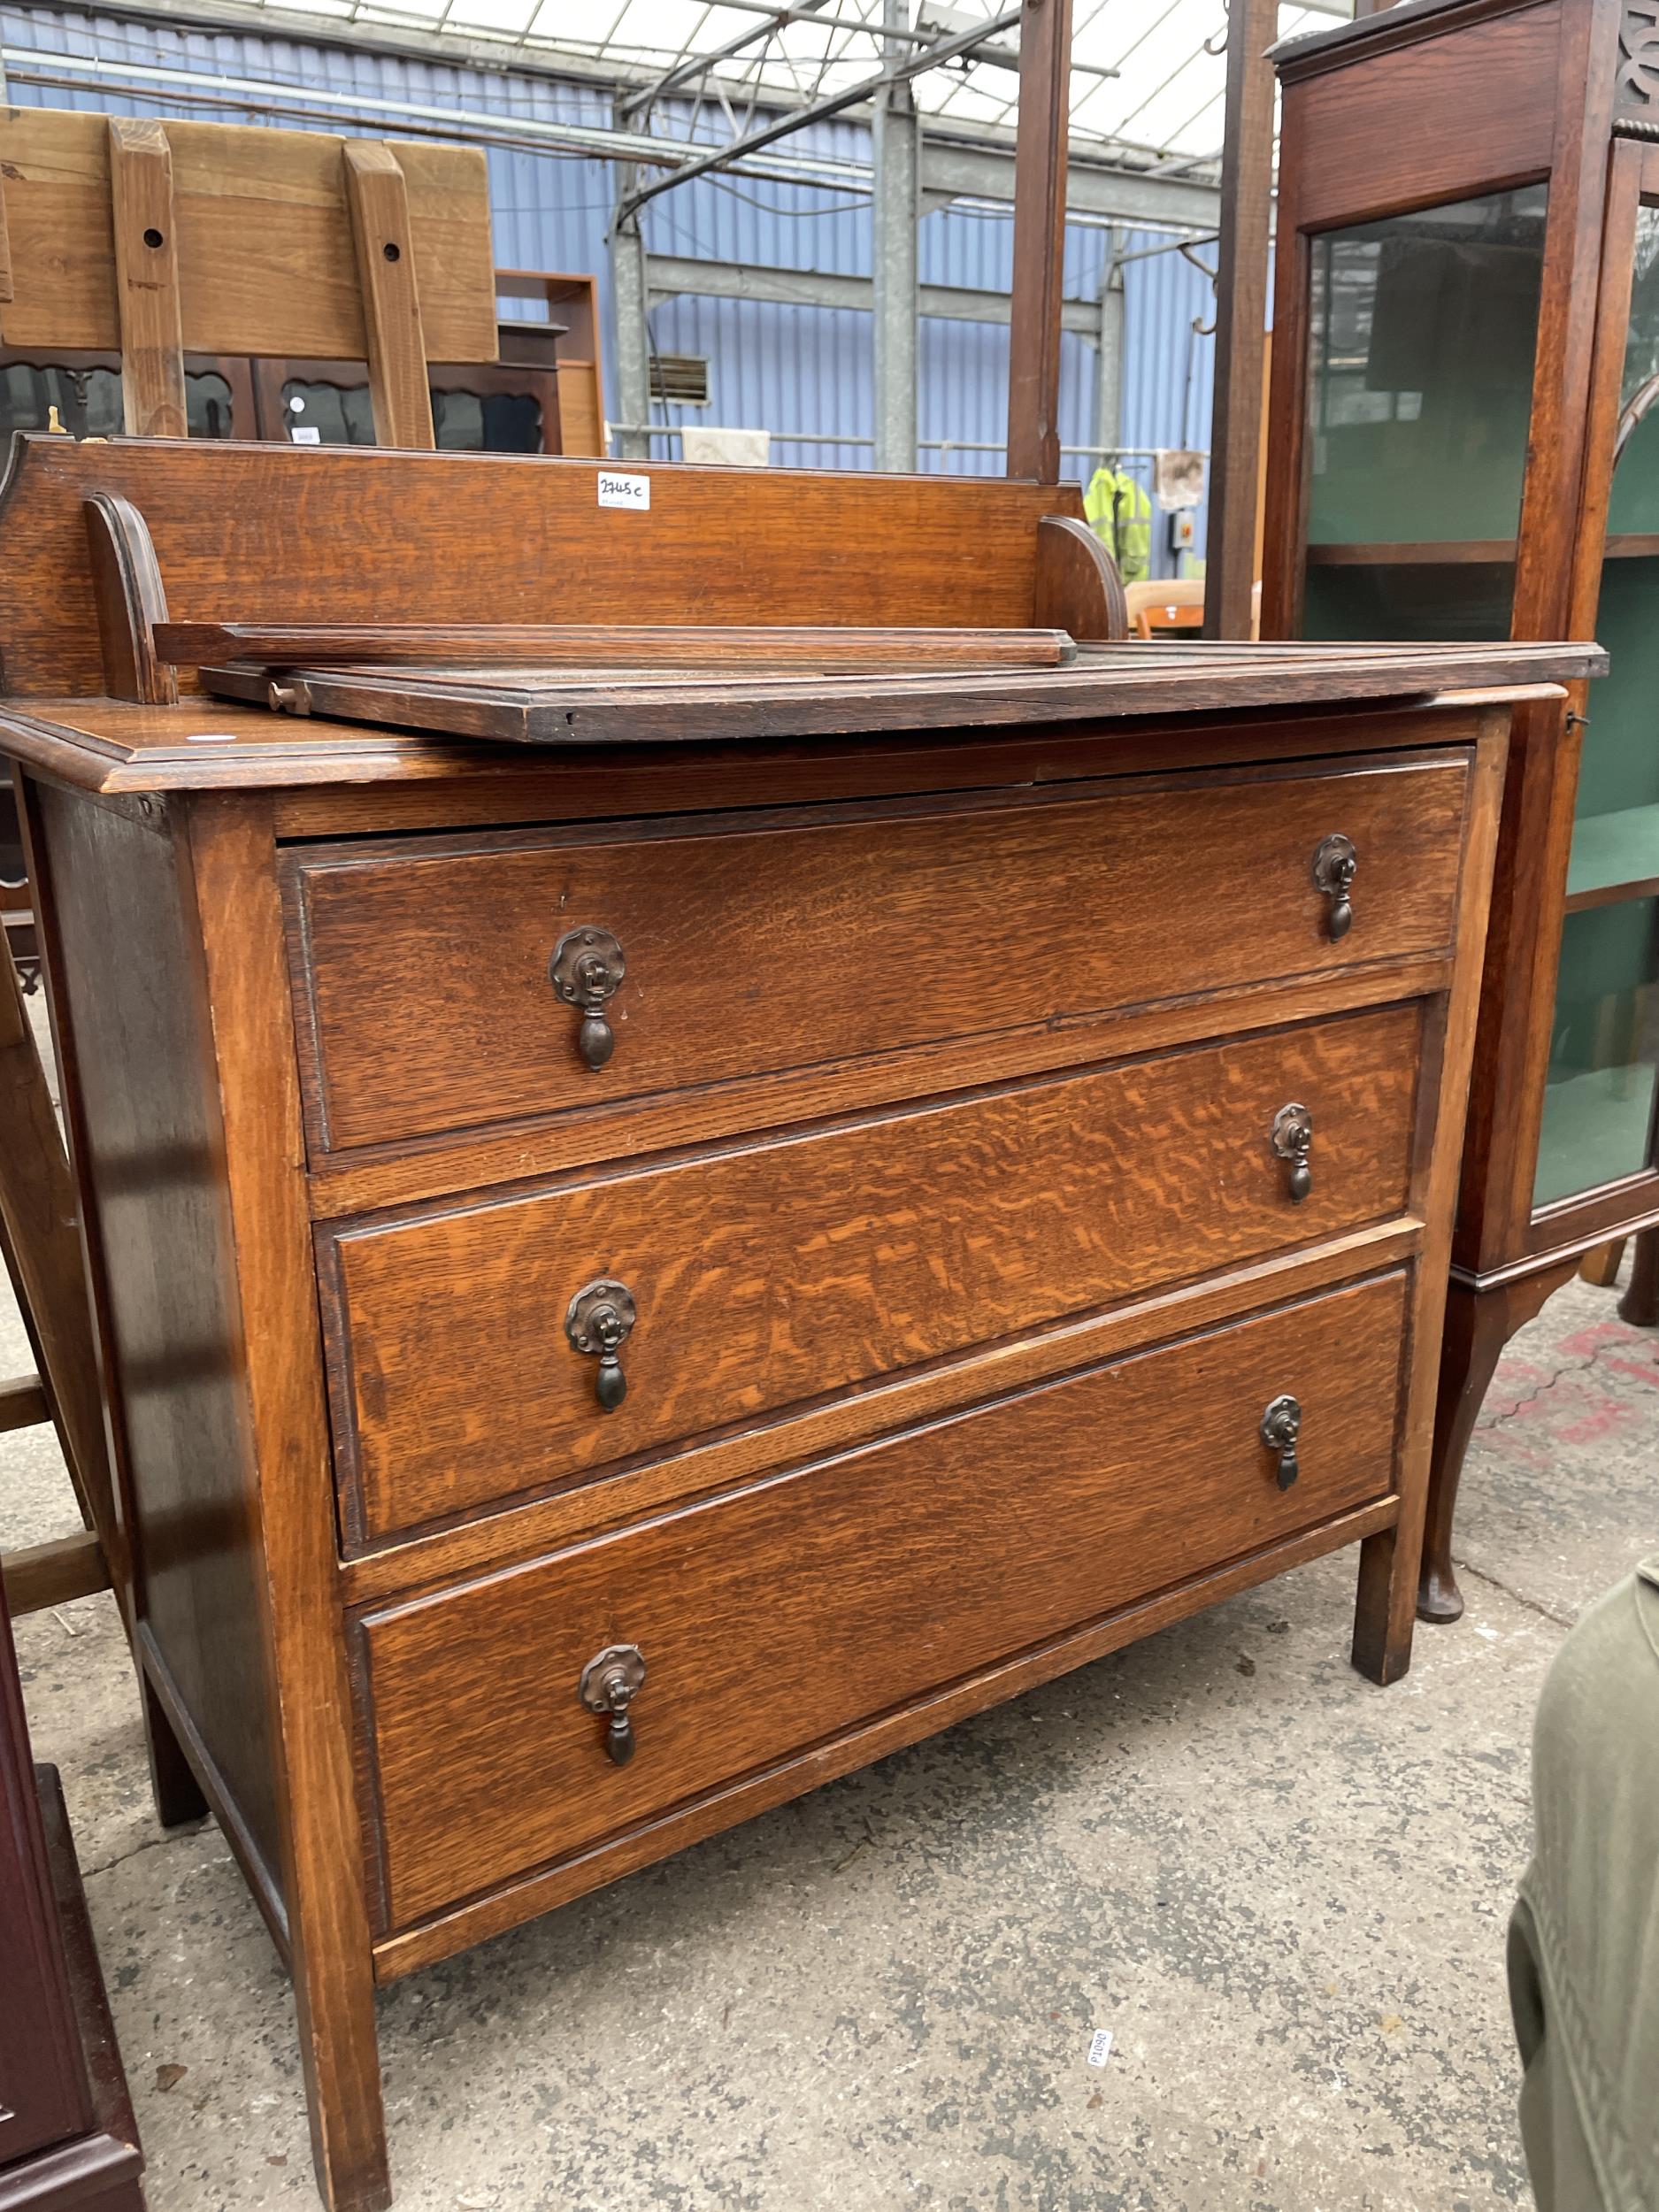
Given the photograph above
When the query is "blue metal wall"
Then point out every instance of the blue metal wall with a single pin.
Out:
(792, 370)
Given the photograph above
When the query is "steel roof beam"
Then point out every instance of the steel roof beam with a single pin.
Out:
(819, 111)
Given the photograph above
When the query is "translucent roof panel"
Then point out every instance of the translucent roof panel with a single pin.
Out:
(1146, 73)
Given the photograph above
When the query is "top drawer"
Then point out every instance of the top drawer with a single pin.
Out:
(756, 943)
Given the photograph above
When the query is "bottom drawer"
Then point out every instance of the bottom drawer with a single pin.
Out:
(781, 1617)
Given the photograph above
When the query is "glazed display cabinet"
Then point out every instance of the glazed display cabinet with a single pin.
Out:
(1465, 445)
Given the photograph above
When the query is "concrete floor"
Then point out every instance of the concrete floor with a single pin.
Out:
(1282, 1891)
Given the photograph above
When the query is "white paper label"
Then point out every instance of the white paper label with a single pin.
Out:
(305, 434)
(1100, 2046)
(625, 491)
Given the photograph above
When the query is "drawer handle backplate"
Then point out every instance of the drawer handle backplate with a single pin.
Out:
(1293, 1139)
(1334, 861)
(610, 1681)
(1282, 1426)
(586, 968)
(600, 1315)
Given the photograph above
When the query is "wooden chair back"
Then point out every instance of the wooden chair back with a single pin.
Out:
(1176, 603)
(155, 238)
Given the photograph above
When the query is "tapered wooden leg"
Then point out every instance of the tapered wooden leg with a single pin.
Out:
(1382, 1615)
(1640, 1305)
(1478, 1325)
(177, 1795)
(334, 1995)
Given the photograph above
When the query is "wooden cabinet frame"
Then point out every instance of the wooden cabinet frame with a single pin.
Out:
(1426, 104)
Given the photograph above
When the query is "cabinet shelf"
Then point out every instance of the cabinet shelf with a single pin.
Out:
(1615, 857)
(1622, 545)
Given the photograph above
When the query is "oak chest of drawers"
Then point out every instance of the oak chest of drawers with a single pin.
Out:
(634, 1281)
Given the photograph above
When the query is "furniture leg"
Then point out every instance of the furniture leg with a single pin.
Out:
(1601, 1266)
(178, 1795)
(1478, 1325)
(1640, 1305)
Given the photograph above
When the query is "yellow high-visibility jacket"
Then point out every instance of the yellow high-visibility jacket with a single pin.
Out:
(1120, 515)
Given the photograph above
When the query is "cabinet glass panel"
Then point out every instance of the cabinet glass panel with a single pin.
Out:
(1598, 1106)
(1422, 332)
(1599, 1094)
(87, 400)
(328, 414)
(487, 422)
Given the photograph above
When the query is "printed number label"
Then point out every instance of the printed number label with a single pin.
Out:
(625, 491)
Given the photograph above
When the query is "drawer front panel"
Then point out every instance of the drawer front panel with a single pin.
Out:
(770, 1275)
(778, 1618)
(428, 1005)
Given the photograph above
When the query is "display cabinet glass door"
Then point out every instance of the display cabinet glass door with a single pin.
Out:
(1599, 1097)
(1421, 329)
(80, 394)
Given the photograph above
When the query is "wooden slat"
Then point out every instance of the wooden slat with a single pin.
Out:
(23, 1404)
(378, 203)
(613, 644)
(1040, 158)
(52, 1573)
(147, 280)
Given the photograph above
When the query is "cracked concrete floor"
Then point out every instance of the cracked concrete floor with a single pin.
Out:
(1282, 1891)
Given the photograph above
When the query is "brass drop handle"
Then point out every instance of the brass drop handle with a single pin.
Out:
(609, 1683)
(586, 970)
(1292, 1140)
(597, 1324)
(1334, 861)
(1282, 1426)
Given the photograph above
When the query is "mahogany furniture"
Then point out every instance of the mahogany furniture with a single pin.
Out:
(67, 2142)
(1466, 355)
(639, 1268)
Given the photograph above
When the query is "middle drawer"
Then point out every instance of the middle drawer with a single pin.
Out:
(768, 1275)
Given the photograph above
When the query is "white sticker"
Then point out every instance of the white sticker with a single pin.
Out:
(1100, 2046)
(305, 434)
(209, 737)
(625, 491)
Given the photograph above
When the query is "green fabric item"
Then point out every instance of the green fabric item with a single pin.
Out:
(1583, 1941)
(1120, 515)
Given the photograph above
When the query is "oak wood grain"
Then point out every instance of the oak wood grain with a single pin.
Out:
(130, 1013)
(776, 1619)
(278, 1366)
(289, 525)
(374, 1178)
(424, 1559)
(785, 1272)
(514, 1902)
(802, 938)
(382, 238)
(1078, 586)
(147, 279)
